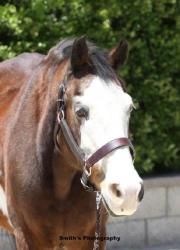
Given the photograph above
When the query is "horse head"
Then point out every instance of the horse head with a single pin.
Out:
(93, 121)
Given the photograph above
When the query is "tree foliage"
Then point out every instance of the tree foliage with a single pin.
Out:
(152, 74)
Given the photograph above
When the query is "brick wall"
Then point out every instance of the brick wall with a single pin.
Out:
(157, 221)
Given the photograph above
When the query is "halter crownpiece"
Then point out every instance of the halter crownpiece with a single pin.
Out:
(87, 163)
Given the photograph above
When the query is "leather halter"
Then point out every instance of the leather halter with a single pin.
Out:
(74, 147)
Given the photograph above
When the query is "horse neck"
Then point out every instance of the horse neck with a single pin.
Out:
(62, 173)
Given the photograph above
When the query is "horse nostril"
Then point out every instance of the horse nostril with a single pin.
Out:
(141, 193)
(118, 193)
(115, 190)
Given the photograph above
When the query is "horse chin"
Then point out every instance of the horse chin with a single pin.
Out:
(114, 214)
(110, 210)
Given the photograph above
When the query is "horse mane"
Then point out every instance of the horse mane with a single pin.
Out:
(98, 57)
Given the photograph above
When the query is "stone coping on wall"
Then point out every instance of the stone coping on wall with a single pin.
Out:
(163, 181)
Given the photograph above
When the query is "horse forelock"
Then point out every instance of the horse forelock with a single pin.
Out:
(98, 58)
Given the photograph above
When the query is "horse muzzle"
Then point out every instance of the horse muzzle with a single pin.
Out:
(122, 201)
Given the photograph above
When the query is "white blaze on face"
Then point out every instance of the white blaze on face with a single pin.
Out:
(109, 112)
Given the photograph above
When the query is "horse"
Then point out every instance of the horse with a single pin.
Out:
(63, 129)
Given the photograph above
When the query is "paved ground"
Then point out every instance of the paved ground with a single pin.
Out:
(158, 248)
(150, 248)
(164, 248)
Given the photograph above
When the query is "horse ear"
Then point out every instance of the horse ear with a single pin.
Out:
(79, 56)
(119, 54)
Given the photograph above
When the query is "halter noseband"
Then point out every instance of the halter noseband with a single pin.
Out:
(76, 150)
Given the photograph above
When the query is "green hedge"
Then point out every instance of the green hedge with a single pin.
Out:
(152, 74)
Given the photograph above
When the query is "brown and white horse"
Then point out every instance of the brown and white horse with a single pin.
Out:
(41, 196)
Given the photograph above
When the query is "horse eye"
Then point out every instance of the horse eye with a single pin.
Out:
(83, 112)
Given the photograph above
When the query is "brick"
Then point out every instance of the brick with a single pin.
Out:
(163, 231)
(132, 234)
(174, 201)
